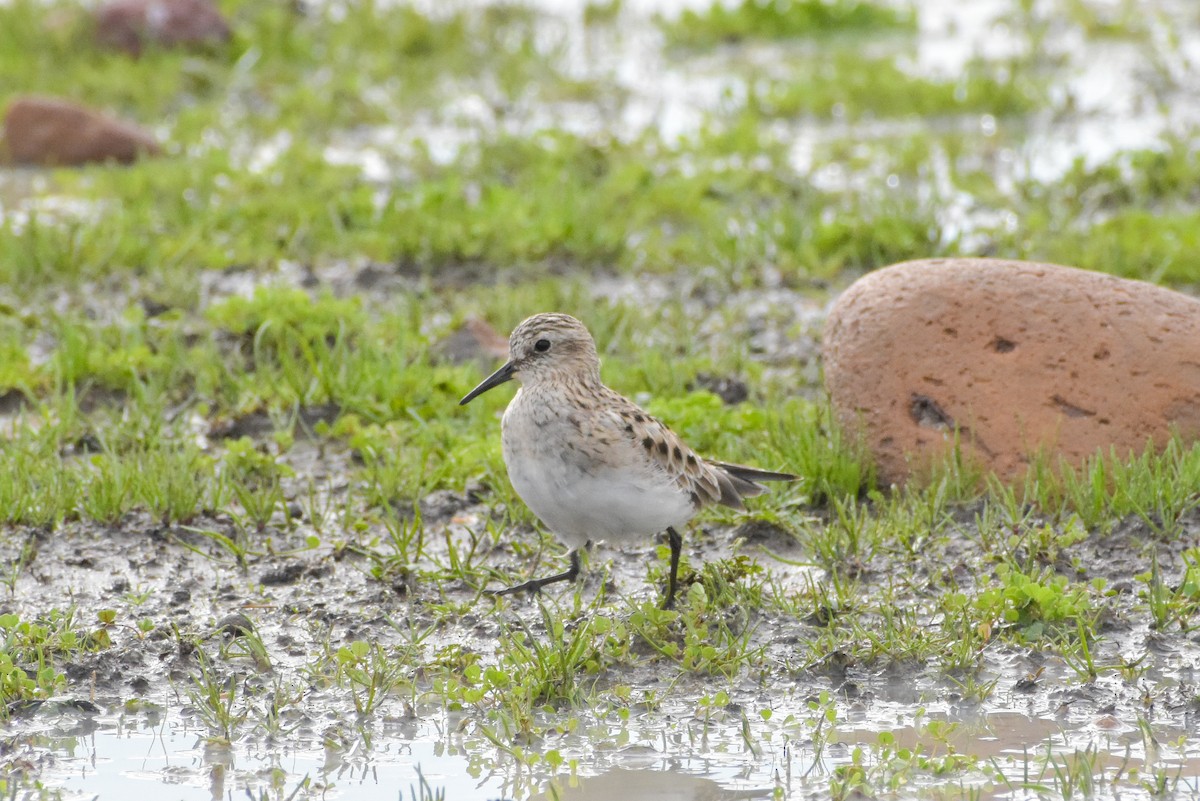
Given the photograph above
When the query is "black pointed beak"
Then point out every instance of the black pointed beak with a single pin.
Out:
(504, 374)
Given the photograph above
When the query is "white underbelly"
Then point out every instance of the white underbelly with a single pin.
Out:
(599, 504)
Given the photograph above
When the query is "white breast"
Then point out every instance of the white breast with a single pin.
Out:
(581, 488)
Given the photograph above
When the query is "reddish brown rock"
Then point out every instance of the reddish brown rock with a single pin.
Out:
(131, 25)
(475, 341)
(43, 130)
(1021, 358)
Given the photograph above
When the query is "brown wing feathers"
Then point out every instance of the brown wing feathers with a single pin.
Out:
(708, 481)
(740, 482)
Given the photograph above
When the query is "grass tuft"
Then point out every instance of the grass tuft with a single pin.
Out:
(781, 19)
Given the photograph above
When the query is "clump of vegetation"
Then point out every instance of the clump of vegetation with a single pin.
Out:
(31, 649)
(782, 19)
(848, 86)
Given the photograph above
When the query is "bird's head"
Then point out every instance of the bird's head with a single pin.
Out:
(542, 348)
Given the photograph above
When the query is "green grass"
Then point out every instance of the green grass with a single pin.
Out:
(512, 206)
(163, 370)
(282, 350)
(848, 86)
(527, 203)
(362, 61)
(782, 19)
(113, 401)
(30, 650)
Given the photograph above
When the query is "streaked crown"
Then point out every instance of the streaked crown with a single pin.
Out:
(552, 343)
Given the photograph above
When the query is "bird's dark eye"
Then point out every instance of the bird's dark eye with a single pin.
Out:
(542, 345)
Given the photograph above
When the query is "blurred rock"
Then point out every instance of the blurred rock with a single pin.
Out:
(1016, 358)
(473, 341)
(53, 132)
(131, 25)
(731, 391)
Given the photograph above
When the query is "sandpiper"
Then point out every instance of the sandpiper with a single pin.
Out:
(590, 463)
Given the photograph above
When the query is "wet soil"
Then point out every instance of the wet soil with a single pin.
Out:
(305, 603)
(262, 615)
(260, 634)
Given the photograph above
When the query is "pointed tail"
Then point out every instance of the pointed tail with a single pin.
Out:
(742, 482)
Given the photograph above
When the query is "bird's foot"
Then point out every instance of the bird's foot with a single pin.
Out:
(534, 586)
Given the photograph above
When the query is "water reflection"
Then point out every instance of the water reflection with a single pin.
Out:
(644, 785)
(671, 755)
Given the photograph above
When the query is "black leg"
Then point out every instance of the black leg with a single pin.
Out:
(676, 546)
(534, 585)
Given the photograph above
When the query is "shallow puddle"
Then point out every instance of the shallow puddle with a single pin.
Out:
(106, 757)
(172, 762)
(1019, 755)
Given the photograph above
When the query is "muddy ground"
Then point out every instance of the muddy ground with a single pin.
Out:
(313, 659)
(304, 604)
